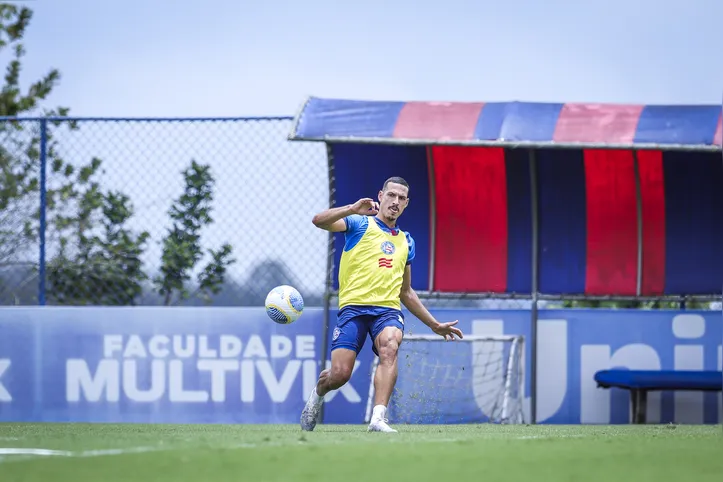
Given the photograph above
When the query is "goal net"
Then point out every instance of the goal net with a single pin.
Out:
(477, 379)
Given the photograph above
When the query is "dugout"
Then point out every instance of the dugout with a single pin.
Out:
(538, 200)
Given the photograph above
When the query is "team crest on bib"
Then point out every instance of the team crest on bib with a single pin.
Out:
(388, 247)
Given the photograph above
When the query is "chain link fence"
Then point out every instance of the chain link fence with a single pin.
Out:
(19, 207)
(174, 212)
(160, 212)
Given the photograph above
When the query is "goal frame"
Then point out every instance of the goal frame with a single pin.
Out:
(517, 351)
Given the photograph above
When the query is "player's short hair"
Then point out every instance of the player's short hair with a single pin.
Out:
(396, 180)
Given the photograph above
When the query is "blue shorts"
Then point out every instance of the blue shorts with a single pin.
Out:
(355, 322)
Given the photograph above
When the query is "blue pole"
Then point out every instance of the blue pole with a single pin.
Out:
(43, 206)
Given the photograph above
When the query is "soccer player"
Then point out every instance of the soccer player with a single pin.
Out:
(374, 280)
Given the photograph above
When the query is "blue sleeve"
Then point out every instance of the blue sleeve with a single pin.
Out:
(353, 223)
(355, 226)
(412, 250)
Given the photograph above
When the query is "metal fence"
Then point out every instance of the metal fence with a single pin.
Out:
(158, 211)
(99, 211)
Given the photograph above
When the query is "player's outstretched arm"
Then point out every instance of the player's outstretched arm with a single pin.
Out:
(410, 299)
(332, 219)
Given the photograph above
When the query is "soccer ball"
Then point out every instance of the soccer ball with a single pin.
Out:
(284, 304)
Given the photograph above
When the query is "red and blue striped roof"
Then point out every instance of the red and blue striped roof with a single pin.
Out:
(621, 221)
(696, 127)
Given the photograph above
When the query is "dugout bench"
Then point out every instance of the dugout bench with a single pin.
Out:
(640, 382)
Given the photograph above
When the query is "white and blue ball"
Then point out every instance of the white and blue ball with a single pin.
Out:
(284, 304)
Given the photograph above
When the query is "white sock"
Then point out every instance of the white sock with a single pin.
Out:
(379, 412)
(315, 398)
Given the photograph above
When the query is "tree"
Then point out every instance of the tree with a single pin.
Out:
(89, 268)
(95, 258)
(20, 142)
(181, 246)
(13, 218)
(18, 158)
(20, 149)
(99, 259)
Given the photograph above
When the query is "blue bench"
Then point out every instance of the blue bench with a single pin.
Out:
(640, 382)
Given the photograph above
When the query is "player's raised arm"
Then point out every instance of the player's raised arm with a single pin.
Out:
(332, 219)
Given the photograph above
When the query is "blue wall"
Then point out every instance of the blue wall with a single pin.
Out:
(233, 365)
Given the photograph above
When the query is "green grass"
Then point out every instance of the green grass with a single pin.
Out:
(345, 453)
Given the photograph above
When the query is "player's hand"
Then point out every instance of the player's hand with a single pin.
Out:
(448, 330)
(365, 206)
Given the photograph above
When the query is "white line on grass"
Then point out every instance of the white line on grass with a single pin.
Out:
(24, 451)
(31, 453)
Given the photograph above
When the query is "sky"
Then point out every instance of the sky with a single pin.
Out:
(219, 58)
(239, 58)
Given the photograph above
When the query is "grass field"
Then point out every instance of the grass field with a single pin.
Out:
(179, 453)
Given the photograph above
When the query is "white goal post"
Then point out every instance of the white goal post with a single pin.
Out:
(476, 379)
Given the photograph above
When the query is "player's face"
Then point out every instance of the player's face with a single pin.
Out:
(393, 201)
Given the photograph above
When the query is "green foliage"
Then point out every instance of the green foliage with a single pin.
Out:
(19, 166)
(99, 261)
(98, 258)
(92, 266)
(13, 22)
(182, 248)
(19, 141)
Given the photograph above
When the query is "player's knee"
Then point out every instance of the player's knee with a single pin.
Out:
(339, 375)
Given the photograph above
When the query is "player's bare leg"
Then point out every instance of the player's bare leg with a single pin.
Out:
(387, 345)
(342, 364)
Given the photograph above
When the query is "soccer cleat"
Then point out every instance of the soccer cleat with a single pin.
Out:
(309, 415)
(380, 425)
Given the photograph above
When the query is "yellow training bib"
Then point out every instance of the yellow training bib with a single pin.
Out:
(371, 272)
